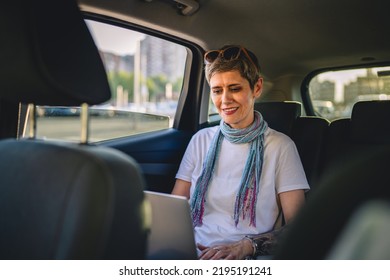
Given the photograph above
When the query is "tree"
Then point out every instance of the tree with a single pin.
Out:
(124, 79)
(177, 85)
(156, 87)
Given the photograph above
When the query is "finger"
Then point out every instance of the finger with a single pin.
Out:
(201, 247)
(232, 255)
(220, 253)
(203, 250)
(208, 254)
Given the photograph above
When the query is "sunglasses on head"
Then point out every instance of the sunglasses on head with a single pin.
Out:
(230, 53)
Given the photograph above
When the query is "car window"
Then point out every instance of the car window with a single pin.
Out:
(145, 74)
(334, 93)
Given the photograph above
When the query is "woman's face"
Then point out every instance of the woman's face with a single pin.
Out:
(233, 98)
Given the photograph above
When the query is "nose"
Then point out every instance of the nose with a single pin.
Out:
(226, 97)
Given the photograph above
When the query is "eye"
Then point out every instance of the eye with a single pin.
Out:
(217, 91)
(235, 89)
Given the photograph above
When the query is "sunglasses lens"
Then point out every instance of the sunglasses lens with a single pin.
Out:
(231, 53)
(211, 56)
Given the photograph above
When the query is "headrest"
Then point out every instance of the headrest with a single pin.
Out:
(370, 122)
(280, 115)
(48, 56)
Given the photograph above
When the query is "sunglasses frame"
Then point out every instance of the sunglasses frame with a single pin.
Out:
(220, 53)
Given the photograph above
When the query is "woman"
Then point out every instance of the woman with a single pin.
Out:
(241, 175)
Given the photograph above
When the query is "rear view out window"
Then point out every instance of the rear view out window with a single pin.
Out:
(334, 93)
(145, 74)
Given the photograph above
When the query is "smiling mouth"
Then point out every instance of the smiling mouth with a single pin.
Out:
(229, 111)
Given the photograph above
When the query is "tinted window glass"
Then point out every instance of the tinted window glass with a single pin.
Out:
(145, 74)
(334, 93)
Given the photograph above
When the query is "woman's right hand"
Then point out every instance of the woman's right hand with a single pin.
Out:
(235, 251)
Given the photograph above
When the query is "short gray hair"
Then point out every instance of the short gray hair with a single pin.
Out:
(249, 69)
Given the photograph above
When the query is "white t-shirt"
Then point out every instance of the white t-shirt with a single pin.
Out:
(282, 171)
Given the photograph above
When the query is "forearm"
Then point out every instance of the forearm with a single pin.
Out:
(248, 247)
(266, 243)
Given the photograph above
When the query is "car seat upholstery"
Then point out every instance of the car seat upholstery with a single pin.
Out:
(358, 180)
(307, 132)
(367, 128)
(280, 116)
(62, 200)
(366, 234)
(47, 46)
(354, 174)
(309, 137)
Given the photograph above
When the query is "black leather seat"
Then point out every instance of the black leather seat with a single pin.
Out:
(355, 173)
(62, 200)
(367, 128)
(350, 185)
(280, 116)
(308, 133)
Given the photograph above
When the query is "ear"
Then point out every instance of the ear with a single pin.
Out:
(258, 88)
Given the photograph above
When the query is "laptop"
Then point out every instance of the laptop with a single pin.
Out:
(171, 236)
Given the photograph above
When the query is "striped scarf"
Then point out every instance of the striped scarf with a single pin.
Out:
(249, 186)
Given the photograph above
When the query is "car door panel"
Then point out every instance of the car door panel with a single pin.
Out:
(158, 154)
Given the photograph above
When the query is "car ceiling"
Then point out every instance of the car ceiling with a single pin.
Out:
(289, 37)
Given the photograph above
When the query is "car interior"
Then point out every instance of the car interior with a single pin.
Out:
(99, 100)
(76, 207)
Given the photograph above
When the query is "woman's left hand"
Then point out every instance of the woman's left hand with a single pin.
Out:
(235, 251)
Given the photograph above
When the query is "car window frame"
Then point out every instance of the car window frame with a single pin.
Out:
(190, 93)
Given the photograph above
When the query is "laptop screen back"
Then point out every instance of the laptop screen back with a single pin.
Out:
(172, 235)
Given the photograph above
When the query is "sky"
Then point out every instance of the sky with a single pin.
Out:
(346, 76)
(119, 41)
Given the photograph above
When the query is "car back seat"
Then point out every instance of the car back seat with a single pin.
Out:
(368, 128)
(352, 183)
(280, 116)
(309, 137)
(354, 173)
(307, 132)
